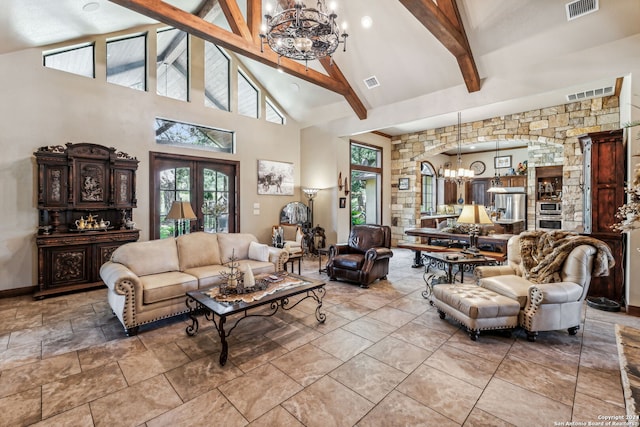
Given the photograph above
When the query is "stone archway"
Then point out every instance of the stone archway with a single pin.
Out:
(551, 134)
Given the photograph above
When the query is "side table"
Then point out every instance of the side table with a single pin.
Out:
(325, 252)
(292, 259)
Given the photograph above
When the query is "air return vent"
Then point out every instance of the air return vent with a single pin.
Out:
(578, 8)
(592, 93)
(371, 82)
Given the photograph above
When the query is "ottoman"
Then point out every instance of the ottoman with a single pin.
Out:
(475, 307)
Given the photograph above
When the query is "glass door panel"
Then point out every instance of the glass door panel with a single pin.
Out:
(215, 206)
(210, 186)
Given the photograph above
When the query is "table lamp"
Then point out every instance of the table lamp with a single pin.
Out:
(182, 213)
(474, 215)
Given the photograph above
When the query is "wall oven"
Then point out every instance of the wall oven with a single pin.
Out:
(549, 215)
(548, 222)
(549, 208)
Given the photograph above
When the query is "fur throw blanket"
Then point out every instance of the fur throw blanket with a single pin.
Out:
(543, 254)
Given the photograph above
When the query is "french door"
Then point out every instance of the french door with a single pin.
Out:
(210, 185)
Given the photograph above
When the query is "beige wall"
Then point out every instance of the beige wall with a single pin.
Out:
(323, 157)
(42, 106)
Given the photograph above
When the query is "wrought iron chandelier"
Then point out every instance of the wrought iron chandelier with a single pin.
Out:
(303, 33)
(460, 174)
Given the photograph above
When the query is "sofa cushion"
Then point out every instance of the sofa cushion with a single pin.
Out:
(257, 267)
(234, 243)
(208, 275)
(509, 285)
(197, 250)
(258, 251)
(165, 286)
(151, 257)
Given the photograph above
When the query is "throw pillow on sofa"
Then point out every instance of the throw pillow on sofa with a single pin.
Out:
(258, 251)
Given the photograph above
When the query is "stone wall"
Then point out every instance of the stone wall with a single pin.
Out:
(551, 134)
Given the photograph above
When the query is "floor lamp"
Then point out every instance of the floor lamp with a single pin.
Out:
(182, 213)
(311, 194)
(310, 233)
(474, 215)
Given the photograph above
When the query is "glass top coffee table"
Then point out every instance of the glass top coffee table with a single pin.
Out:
(217, 307)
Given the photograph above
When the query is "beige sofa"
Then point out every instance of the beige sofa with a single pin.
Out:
(147, 281)
(549, 306)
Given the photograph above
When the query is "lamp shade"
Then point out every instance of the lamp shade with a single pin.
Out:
(181, 210)
(474, 214)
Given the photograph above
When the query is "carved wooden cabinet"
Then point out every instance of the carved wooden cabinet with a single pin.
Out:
(603, 190)
(80, 182)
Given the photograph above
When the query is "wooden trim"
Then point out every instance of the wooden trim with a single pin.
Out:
(443, 21)
(198, 27)
(632, 310)
(18, 292)
(618, 88)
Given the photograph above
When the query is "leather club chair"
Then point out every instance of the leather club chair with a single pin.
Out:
(543, 306)
(365, 258)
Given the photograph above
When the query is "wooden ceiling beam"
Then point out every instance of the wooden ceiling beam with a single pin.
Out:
(254, 19)
(196, 26)
(334, 71)
(235, 19)
(443, 21)
(351, 96)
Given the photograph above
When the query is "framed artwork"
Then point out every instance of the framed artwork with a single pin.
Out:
(343, 202)
(275, 178)
(403, 184)
(502, 162)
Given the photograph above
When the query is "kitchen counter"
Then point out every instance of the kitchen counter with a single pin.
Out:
(432, 221)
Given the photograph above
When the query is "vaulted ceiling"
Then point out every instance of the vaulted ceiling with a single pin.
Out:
(432, 58)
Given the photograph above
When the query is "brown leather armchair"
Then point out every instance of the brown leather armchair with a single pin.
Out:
(365, 258)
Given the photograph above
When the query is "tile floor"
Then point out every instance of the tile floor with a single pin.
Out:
(383, 358)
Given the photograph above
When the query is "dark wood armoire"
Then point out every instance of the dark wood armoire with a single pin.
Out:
(603, 188)
(81, 183)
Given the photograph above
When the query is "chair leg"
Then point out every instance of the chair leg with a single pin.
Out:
(531, 336)
(442, 314)
(573, 330)
(473, 334)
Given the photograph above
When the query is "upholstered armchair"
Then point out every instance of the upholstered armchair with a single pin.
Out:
(557, 304)
(364, 258)
(291, 238)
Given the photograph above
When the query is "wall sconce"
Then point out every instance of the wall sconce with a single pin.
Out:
(343, 184)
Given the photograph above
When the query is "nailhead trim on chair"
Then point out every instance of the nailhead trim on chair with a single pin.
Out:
(535, 299)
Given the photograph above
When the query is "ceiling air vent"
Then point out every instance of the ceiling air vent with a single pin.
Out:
(371, 82)
(578, 8)
(592, 93)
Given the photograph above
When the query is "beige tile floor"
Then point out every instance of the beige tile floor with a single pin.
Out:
(383, 358)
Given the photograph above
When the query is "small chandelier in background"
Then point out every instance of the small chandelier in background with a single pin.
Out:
(460, 174)
(303, 33)
(496, 182)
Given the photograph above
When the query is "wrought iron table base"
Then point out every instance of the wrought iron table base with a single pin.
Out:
(195, 307)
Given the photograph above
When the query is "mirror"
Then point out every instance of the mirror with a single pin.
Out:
(295, 213)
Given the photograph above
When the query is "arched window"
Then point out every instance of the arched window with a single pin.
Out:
(429, 187)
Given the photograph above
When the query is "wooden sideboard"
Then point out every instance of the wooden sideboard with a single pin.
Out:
(71, 261)
(76, 182)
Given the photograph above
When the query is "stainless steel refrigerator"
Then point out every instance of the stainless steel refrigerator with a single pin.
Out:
(512, 203)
